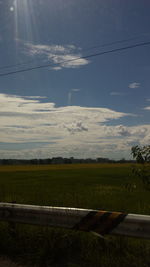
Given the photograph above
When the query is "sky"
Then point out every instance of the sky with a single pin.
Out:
(77, 106)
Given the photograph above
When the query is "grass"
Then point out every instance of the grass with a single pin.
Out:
(96, 186)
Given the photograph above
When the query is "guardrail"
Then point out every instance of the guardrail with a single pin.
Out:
(97, 221)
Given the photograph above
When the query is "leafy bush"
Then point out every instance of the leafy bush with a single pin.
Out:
(142, 157)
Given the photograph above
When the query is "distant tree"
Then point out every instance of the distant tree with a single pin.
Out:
(142, 157)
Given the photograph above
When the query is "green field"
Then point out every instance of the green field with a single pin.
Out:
(108, 187)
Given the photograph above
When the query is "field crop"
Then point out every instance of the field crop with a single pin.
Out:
(96, 186)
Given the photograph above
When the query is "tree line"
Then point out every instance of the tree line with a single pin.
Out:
(60, 160)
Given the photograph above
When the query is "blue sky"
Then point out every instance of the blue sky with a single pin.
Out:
(96, 107)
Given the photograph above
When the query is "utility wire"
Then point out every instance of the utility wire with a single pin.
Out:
(16, 65)
(112, 43)
(75, 59)
(84, 50)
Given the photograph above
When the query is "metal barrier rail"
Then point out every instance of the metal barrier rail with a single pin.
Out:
(97, 221)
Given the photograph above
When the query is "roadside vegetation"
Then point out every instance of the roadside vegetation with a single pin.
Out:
(142, 156)
(98, 186)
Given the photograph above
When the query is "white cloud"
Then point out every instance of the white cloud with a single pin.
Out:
(47, 49)
(117, 94)
(69, 131)
(56, 68)
(134, 85)
(147, 108)
(76, 127)
(122, 130)
(35, 97)
(22, 105)
(63, 56)
(68, 60)
(75, 90)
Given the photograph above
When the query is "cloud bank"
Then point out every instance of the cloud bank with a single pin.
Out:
(40, 129)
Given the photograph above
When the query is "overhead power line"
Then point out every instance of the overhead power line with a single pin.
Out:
(17, 64)
(84, 50)
(77, 58)
(113, 43)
